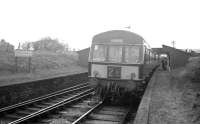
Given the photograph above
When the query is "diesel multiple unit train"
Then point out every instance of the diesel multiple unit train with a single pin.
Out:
(119, 62)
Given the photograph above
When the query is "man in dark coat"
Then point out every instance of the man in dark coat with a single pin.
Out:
(164, 64)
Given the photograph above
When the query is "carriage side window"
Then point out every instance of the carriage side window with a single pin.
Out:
(115, 54)
(99, 53)
(132, 54)
(147, 56)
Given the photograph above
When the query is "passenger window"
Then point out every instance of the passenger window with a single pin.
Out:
(99, 53)
(115, 54)
(132, 54)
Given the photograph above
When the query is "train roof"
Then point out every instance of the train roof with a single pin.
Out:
(118, 36)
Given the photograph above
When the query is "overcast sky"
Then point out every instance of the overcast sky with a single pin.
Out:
(76, 21)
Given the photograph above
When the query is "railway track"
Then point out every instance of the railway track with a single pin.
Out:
(68, 113)
(83, 113)
(106, 114)
(22, 112)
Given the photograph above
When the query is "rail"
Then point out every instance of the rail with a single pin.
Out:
(43, 97)
(100, 109)
(87, 113)
(61, 103)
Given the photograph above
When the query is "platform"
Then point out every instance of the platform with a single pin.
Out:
(162, 102)
(21, 78)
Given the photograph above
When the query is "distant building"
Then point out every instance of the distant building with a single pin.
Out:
(5, 46)
(83, 57)
(177, 57)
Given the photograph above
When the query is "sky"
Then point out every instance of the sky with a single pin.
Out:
(76, 21)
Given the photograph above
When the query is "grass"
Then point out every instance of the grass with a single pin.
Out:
(192, 71)
(43, 65)
(189, 85)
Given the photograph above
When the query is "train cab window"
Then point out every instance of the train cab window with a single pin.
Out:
(132, 54)
(99, 53)
(115, 54)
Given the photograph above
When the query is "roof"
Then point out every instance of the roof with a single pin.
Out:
(118, 36)
(166, 49)
(86, 49)
(158, 50)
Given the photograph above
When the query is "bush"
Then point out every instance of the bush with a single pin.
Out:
(193, 69)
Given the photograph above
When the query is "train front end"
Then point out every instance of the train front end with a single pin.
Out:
(115, 63)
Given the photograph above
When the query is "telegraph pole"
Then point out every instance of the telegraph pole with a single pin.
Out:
(173, 43)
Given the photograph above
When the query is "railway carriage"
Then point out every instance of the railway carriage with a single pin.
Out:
(120, 61)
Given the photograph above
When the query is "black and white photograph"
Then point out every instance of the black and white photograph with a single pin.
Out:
(99, 62)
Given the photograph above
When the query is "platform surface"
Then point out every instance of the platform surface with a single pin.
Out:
(163, 101)
(13, 79)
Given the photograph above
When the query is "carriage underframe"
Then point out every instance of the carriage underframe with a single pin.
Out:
(118, 91)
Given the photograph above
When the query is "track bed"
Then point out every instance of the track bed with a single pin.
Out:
(107, 114)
